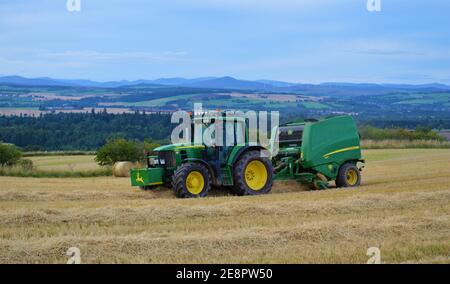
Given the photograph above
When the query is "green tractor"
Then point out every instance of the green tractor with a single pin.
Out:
(311, 152)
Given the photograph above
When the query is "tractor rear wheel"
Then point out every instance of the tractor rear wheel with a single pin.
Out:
(191, 180)
(253, 174)
(348, 176)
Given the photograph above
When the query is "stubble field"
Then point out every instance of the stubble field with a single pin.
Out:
(403, 207)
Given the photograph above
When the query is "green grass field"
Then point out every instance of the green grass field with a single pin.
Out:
(314, 105)
(234, 102)
(402, 207)
(161, 102)
(423, 99)
(65, 163)
(246, 103)
(58, 166)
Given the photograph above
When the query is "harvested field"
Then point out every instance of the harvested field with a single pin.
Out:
(403, 208)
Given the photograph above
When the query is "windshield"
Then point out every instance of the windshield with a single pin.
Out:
(233, 133)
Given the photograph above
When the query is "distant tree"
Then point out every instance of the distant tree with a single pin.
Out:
(9, 155)
(32, 148)
(421, 133)
(150, 145)
(119, 150)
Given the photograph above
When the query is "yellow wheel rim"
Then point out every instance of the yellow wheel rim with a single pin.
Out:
(352, 177)
(256, 175)
(195, 182)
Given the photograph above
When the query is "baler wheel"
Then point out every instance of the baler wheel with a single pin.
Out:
(253, 174)
(348, 176)
(191, 180)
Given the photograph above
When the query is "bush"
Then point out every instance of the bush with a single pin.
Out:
(26, 164)
(9, 155)
(119, 150)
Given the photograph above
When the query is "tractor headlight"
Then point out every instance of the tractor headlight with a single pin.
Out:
(152, 161)
(167, 158)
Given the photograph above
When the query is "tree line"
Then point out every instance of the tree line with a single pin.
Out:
(81, 131)
(420, 133)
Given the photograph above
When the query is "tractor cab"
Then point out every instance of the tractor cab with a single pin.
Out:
(219, 131)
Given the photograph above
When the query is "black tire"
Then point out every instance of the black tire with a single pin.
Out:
(240, 185)
(179, 180)
(345, 171)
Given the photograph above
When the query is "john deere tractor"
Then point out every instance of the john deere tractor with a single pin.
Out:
(311, 152)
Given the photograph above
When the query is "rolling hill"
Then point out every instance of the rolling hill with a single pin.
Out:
(230, 83)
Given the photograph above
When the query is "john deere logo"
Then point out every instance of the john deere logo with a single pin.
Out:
(139, 178)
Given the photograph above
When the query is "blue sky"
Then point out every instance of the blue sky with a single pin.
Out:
(307, 41)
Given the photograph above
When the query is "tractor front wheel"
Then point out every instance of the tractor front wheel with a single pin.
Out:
(253, 174)
(191, 180)
(348, 176)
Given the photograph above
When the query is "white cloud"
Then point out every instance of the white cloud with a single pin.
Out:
(394, 48)
(371, 46)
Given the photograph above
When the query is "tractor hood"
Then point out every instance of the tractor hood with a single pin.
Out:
(169, 147)
(175, 147)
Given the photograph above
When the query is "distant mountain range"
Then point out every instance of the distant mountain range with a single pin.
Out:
(230, 83)
(203, 82)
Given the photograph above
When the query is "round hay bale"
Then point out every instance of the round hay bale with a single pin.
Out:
(122, 169)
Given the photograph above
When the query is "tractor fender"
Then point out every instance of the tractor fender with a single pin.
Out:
(208, 166)
(236, 153)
